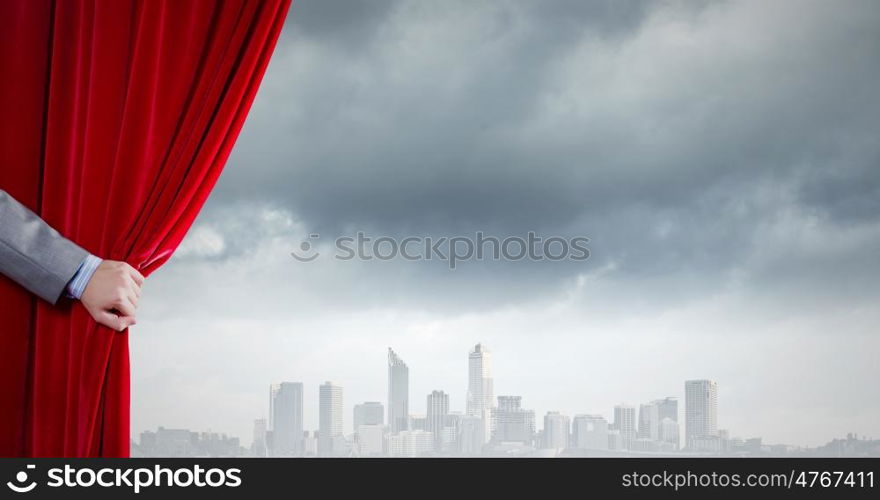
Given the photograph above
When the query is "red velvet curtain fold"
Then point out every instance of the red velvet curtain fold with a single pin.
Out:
(116, 118)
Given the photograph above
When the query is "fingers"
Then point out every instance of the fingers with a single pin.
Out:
(134, 288)
(127, 321)
(137, 281)
(125, 306)
(114, 321)
(136, 276)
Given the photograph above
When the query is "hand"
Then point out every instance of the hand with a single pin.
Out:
(112, 294)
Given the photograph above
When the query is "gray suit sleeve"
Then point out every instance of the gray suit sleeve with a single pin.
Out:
(33, 254)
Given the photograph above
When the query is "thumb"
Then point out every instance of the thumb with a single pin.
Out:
(114, 321)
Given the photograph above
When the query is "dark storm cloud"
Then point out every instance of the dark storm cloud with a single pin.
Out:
(677, 137)
(346, 23)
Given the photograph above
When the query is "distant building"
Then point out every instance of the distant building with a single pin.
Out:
(625, 424)
(418, 422)
(707, 444)
(644, 445)
(649, 422)
(370, 440)
(369, 413)
(471, 436)
(589, 432)
(557, 431)
(481, 390)
(615, 441)
(329, 419)
(667, 412)
(511, 423)
(286, 418)
(701, 415)
(667, 408)
(852, 446)
(450, 434)
(398, 393)
(438, 410)
(310, 443)
(185, 443)
(411, 443)
(258, 448)
(669, 434)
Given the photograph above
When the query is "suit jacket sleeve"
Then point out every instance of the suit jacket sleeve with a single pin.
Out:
(33, 254)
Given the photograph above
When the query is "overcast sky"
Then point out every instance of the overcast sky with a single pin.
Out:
(722, 157)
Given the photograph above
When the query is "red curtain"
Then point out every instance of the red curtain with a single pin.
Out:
(116, 118)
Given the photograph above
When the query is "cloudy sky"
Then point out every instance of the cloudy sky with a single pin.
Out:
(722, 157)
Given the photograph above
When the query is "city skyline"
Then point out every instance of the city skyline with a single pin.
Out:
(653, 426)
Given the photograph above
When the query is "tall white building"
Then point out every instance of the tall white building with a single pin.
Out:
(625, 423)
(329, 419)
(590, 432)
(481, 391)
(286, 418)
(557, 431)
(480, 394)
(700, 411)
(438, 410)
(398, 393)
(649, 421)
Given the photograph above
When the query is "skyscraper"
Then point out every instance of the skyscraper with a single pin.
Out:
(649, 421)
(557, 431)
(700, 410)
(398, 393)
(438, 409)
(480, 395)
(481, 392)
(329, 419)
(625, 423)
(286, 414)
